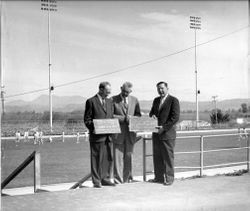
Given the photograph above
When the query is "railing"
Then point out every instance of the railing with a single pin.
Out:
(201, 152)
(80, 182)
(34, 156)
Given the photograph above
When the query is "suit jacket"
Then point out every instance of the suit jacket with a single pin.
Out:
(120, 113)
(168, 115)
(95, 110)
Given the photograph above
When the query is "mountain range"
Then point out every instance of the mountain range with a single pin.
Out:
(71, 103)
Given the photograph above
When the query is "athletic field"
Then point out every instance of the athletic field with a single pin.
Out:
(69, 161)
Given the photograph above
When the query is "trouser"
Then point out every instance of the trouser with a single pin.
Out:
(163, 158)
(101, 161)
(123, 161)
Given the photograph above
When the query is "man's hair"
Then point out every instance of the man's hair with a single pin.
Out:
(103, 84)
(127, 85)
(162, 82)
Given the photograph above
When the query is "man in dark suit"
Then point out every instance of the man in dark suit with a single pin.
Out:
(125, 106)
(100, 107)
(167, 111)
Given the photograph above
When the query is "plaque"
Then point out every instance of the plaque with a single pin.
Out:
(143, 124)
(106, 126)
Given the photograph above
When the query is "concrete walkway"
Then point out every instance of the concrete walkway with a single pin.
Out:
(88, 183)
(208, 193)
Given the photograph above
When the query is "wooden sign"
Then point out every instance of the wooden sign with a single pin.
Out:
(142, 124)
(106, 126)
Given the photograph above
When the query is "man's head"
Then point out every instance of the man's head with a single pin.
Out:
(162, 88)
(104, 89)
(126, 89)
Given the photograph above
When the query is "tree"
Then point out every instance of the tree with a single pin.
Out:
(244, 107)
(45, 116)
(221, 118)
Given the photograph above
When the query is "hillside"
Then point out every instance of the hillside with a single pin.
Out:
(71, 103)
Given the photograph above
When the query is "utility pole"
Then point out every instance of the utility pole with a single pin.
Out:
(49, 5)
(1, 86)
(215, 104)
(1, 64)
(195, 23)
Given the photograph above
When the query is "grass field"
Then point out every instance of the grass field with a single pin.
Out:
(9, 128)
(70, 161)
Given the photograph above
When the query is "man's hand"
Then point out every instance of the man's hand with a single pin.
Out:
(127, 118)
(160, 129)
(154, 117)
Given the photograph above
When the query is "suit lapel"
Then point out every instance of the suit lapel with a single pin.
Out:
(156, 105)
(165, 103)
(99, 102)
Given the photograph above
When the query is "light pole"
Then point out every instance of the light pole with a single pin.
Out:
(1, 64)
(195, 23)
(49, 5)
(215, 104)
(1, 86)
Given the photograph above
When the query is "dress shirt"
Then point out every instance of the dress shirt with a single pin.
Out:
(162, 100)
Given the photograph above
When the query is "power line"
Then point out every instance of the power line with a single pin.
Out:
(131, 66)
(29, 92)
(150, 61)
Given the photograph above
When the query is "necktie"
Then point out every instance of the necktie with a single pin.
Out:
(104, 104)
(161, 102)
(125, 103)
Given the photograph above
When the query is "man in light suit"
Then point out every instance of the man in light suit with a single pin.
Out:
(100, 107)
(167, 111)
(125, 106)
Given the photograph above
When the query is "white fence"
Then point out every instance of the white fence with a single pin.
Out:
(201, 152)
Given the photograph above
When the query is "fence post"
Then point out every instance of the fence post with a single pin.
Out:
(239, 138)
(63, 136)
(144, 159)
(201, 156)
(248, 153)
(37, 172)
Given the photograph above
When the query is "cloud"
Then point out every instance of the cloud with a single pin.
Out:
(152, 30)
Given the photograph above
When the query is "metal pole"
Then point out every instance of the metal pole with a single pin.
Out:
(1, 87)
(215, 103)
(196, 81)
(248, 153)
(195, 23)
(37, 172)
(1, 65)
(201, 156)
(50, 91)
(2, 99)
(144, 159)
(239, 137)
(216, 118)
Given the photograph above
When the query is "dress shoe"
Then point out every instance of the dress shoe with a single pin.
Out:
(117, 182)
(128, 181)
(97, 186)
(132, 181)
(107, 183)
(167, 183)
(155, 181)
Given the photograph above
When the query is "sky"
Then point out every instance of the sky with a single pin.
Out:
(94, 38)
